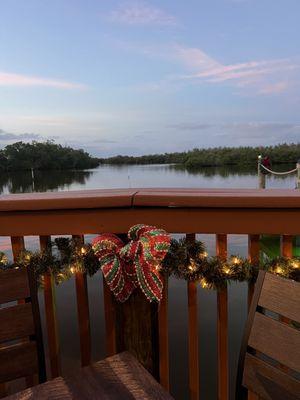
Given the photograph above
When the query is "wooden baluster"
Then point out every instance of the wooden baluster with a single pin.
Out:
(222, 326)
(110, 320)
(163, 336)
(253, 256)
(18, 245)
(50, 313)
(193, 341)
(83, 312)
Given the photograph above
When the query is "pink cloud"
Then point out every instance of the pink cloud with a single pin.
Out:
(264, 76)
(140, 13)
(10, 79)
(278, 87)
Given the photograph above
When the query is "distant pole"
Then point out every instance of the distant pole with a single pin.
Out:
(298, 175)
(32, 179)
(261, 176)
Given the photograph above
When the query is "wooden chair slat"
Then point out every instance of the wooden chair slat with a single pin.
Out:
(269, 382)
(281, 296)
(18, 361)
(276, 340)
(16, 322)
(14, 285)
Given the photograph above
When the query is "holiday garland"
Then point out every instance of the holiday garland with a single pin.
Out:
(180, 258)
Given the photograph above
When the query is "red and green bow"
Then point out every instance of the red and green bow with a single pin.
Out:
(135, 264)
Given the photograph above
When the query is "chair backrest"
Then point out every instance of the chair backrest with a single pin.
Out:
(269, 362)
(21, 343)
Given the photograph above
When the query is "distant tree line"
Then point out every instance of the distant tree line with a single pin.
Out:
(45, 155)
(215, 157)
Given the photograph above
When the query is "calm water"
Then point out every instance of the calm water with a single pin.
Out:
(151, 176)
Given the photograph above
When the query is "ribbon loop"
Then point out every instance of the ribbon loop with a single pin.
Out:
(135, 264)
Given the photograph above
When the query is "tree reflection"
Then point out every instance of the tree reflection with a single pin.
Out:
(23, 182)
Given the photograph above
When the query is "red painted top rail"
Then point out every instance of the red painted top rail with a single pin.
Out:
(152, 197)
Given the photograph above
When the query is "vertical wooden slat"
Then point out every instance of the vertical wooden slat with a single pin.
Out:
(50, 313)
(222, 326)
(193, 339)
(110, 321)
(253, 256)
(83, 312)
(163, 336)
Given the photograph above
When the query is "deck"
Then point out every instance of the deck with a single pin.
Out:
(184, 211)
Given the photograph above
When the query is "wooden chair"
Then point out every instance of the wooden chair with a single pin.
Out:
(21, 343)
(269, 364)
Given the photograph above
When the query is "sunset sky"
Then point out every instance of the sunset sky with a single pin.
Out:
(137, 77)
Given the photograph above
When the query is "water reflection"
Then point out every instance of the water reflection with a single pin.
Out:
(41, 181)
(228, 170)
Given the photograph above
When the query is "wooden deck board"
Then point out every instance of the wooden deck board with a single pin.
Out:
(117, 377)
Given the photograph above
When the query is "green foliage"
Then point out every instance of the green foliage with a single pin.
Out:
(45, 155)
(215, 157)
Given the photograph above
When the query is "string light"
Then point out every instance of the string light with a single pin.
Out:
(203, 283)
(83, 250)
(72, 270)
(204, 254)
(295, 264)
(278, 270)
(192, 267)
(236, 260)
(226, 270)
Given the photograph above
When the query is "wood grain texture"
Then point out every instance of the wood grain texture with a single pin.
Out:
(50, 313)
(253, 256)
(18, 361)
(16, 322)
(193, 336)
(163, 337)
(268, 381)
(137, 330)
(14, 285)
(277, 340)
(119, 377)
(241, 392)
(281, 296)
(222, 326)
(110, 321)
(176, 220)
(83, 312)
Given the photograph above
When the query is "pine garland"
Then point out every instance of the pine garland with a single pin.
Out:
(185, 260)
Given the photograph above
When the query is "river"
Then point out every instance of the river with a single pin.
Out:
(139, 176)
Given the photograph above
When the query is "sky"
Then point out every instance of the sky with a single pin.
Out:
(139, 77)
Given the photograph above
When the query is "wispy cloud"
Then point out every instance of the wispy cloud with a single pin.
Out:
(7, 136)
(11, 79)
(262, 75)
(259, 77)
(141, 13)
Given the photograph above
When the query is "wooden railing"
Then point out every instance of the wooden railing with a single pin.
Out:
(137, 325)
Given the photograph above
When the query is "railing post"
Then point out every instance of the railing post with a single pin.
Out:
(50, 314)
(136, 329)
(193, 339)
(261, 176)
(222, 326)
(83, 310)
(298, 175)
